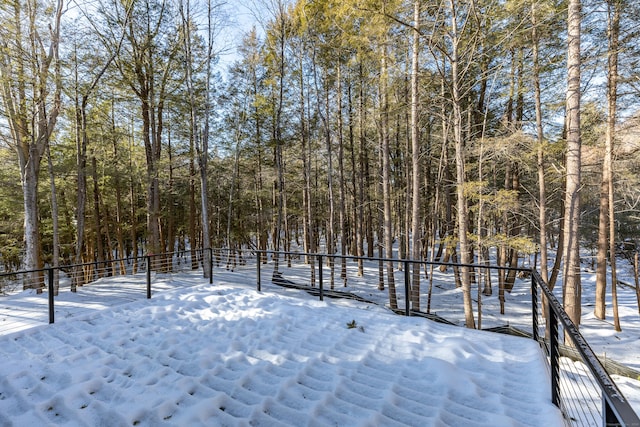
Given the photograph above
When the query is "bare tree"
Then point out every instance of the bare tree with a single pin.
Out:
(606, 226)
(416, 246)
(30, 78)
(463, 214)
(571, 248)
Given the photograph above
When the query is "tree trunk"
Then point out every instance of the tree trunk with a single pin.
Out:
(97, 220)
(307, 216)
(386, 185)
(119, 211)
(31, 117)
(614, 7)
(416, 244)
(341, 189)
(55, 261)
(463, 215)
(571, 249)
(542, 189)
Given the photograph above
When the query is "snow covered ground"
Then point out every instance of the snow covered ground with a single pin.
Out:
(224, 354)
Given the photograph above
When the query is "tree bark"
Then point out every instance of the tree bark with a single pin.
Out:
(416, 245)
(542, 188)
(614, 7)
(55, 261)
(462, 214)
(386, 185)
(31, 116)
(571, 250)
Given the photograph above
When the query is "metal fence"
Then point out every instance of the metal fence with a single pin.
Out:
(74, 277)
(581, 387)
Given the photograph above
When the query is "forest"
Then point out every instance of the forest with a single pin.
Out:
(470, 131)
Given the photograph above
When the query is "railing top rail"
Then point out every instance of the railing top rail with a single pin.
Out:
(86, 264)
(402, 260)
(618, 403)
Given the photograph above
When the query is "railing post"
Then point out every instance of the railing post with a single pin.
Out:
(609, 417)
(51, 308)
(534, 305)
(210, 266)
(554, 353)
(148, 258)
(320, 277)
(259, 259)
(407, 297)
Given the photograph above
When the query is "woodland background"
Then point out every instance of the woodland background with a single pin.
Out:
(437, 130)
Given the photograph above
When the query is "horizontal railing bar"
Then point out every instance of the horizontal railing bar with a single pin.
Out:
(618, 403)
(398, 260)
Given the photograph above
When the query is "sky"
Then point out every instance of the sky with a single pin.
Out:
(243, 16)
(226, 354)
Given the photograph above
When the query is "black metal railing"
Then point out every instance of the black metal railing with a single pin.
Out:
(575, 379)
(580, 385)
(73, 277)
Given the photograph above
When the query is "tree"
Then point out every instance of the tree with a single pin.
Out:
(83, 91)
(462, 208)
(277, 36)
(199, 118)
(30, 76)
(606, 225)
(571, 249)
(416, 247)
(542, 188)
(147, 63)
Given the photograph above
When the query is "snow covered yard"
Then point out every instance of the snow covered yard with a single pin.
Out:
(224, 354)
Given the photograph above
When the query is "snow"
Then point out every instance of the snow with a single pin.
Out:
(226, 354)
(281, 357)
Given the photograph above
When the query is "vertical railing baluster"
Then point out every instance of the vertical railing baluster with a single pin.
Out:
(51, 286)
(259, 259)
(210, 266)
(534, 305)
(148, 259)
(320, 277)
(554, 353)
(407, 298)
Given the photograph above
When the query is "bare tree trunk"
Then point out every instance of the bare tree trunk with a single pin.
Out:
(416, 245)
(331, 219)
(362, 180)
(81, 165)
(119, 214)
(614, 7)
(81, 147)
(203, 147)
(134, 211)
(55, 261)
(571, 249)
(97, 220)
(542, 188)
(342, 219)
(169, 232)
(356, 220)
(386, 185)
(31, 107)
(277, 131)
(463, 215)
(307, 217)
